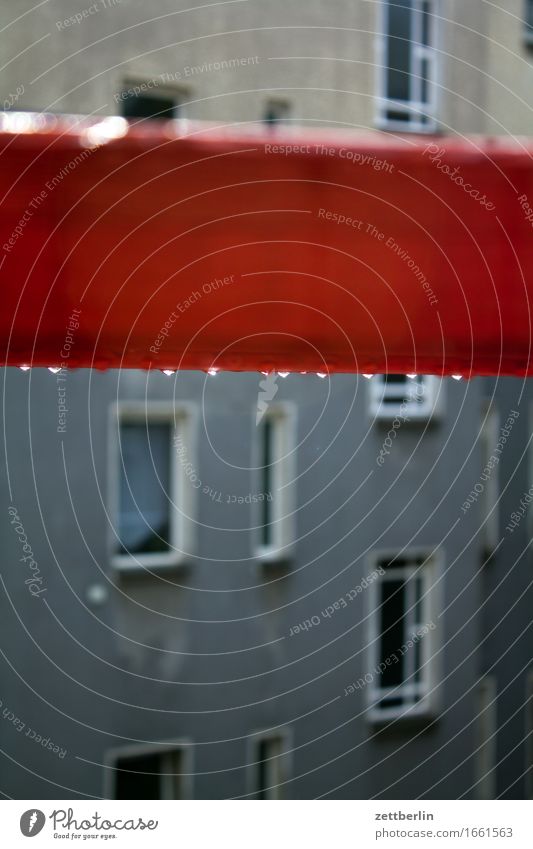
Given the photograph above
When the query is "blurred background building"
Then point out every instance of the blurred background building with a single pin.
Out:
(266, 586)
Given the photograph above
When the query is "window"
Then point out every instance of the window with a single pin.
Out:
(407, 65)
(485, 738)
(409, 398)
(490, 481)
(402, 643)
(149, 100)
(275, 476)
(151, 522)
(277, 112)
(528, 15)
(528, 774)
(269, 768)
(140, 772)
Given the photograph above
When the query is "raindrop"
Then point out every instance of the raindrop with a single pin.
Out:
(96, 594)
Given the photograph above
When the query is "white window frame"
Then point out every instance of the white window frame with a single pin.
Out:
(489, 436)
(419, 52)
(165, 750)
(429, 387)
(486, 728)
(277, 791)
(528, 737)
(182, 507)
(283, 471)
(427, 689)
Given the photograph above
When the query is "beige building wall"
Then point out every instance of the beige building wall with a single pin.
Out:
(510, 65)
(320, 55)
(462, 60)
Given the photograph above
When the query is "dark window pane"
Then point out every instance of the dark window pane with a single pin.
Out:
(144, 524)
(395, 378)
(392, 610)
(141, 106)
(276, 112)
(424, 73)
(396, 388)
(174, 766)
(138, 778)
(529, 15)
(426, 22)
(263, 773)
(269, 773)
(393, 115)
(390, 702)
(417, 648)
(417, 613)
(399, 14)
(267, 434)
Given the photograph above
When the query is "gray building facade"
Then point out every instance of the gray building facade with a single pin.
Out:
(221, 586)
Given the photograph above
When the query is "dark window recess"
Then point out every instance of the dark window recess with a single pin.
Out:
(148, 106)
(144, 505)
(395, 378)
(399, 50)
(400, 562)
(138, 778)
(151, 776)
(276, 112)
(263, 769)
(269, 779)
(397, 387)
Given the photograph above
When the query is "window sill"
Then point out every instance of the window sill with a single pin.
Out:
(386, 125)
(420, 713)
(277, 556)
(406, 416)
(139, 565)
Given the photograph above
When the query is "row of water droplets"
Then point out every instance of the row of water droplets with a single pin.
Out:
(214, 371)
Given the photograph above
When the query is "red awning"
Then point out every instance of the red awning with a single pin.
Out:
(185, 246)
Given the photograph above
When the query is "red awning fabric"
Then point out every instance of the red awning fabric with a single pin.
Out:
(172, 245)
